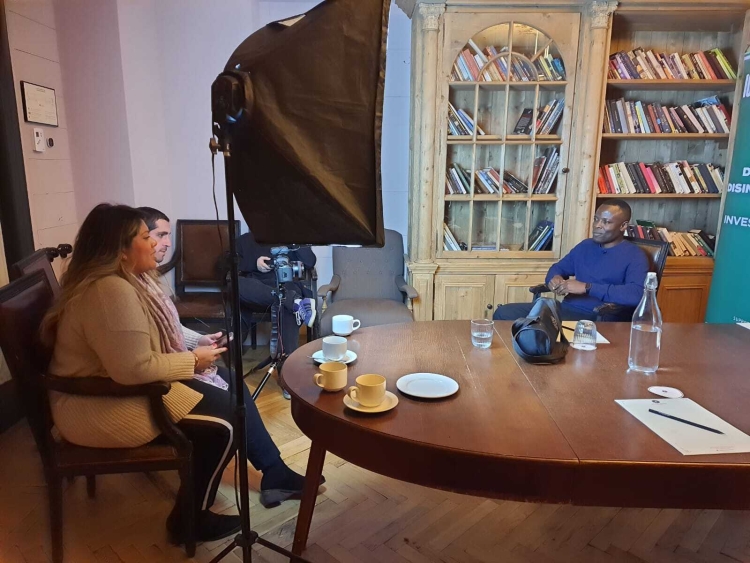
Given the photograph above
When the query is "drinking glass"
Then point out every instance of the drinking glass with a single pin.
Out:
(584, 337)
(481, 333)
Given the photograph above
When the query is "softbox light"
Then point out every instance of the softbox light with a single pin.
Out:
(305, 163)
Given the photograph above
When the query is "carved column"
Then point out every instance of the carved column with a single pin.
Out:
(600, 17)
(425, 35)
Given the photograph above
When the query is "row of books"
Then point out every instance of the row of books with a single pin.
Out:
(457, 181)
(541, 237)
(652, 65)
(708, 115)
(692, 243)
(547, 118)
(488, 179)
(460, 122)
(670, 178)
(470, 62)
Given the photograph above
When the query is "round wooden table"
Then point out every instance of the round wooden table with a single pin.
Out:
(530, 432)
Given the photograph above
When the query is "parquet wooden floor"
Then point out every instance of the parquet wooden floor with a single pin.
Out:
(361, 517)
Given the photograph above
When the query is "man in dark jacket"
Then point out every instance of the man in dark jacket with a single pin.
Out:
(258, 289)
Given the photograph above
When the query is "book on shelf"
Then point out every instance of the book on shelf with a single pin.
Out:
(473, 65)
(638, 64)
(541, 237)
(707, 115)
(523, 125)
(512, 184)
(460, 122)
(678, 177)
(450, 242)
(547, 118)
(457, 180)
(545, 171)
(694, 242)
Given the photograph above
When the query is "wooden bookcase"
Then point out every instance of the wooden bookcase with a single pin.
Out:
(684, 290)
(494, 264)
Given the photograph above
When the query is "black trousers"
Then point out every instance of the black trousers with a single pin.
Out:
(209, 427)
(258, 297)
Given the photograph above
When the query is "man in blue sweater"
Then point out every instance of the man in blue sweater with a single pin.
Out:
(606, 268)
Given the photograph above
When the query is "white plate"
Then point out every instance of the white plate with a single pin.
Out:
(668, 392)
(427, 385)
(320, 358)
(388, 403)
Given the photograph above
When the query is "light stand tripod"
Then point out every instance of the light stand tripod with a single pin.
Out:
(247, 537)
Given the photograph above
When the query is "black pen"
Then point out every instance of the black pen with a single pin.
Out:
(678, 419)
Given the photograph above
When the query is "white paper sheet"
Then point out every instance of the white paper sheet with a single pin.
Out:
(743, 325)
(572, 325)
(686, 439)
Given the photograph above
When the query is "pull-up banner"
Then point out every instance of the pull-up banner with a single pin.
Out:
(729, 301)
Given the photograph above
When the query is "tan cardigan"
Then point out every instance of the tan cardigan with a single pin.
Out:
(107, 333)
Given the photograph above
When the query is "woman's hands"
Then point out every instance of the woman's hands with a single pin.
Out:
(206, 356)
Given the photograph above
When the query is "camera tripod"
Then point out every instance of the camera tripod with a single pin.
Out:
(276, 358)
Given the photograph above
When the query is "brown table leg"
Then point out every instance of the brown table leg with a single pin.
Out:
(306, 507)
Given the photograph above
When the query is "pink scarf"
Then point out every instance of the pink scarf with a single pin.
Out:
(167, 322)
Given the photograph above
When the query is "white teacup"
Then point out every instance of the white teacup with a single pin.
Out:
(344, 325)
(334, 348)
(369, 391)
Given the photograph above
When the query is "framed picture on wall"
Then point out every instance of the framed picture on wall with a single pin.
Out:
(39, 104)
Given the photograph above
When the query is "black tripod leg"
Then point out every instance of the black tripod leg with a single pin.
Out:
(264, 380)
(277, 549)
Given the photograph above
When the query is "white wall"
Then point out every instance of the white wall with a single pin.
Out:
(166, 56)
(93, 79)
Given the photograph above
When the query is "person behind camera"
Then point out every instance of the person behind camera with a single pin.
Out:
(112, 320)
(607, 269)
(258, 288)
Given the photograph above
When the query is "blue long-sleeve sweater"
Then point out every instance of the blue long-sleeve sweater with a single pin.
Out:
(616, 274)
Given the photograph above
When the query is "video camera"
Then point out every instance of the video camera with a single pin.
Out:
(286, 270)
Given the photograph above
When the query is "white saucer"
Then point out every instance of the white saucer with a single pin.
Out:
(320, 358)
(668, 392)
(342, 333)
(427, 385)
(388, 403)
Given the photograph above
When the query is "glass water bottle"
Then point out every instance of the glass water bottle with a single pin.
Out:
(645, 332)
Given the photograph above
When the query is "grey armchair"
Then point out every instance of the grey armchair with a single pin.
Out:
(368, 284)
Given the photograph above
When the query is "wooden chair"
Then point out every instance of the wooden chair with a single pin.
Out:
(23, 304)
(655, 250)
(199, 263)
(39, 260)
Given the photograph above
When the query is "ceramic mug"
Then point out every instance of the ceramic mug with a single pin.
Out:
(369, 390)
(334, 348)
(344, 325)
(332, 376)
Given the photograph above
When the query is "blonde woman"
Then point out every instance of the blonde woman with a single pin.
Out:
(113, 321)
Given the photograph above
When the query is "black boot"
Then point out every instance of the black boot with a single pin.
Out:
(279, 483)
(208, 526)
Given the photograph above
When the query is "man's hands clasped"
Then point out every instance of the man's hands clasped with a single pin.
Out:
(564, 287)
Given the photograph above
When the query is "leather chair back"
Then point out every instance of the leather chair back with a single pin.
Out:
(370, 273)
(23, 304)
(39, 260)
(657, 252)
(200, 251)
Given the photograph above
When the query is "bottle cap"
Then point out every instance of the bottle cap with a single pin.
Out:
(651, 282)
